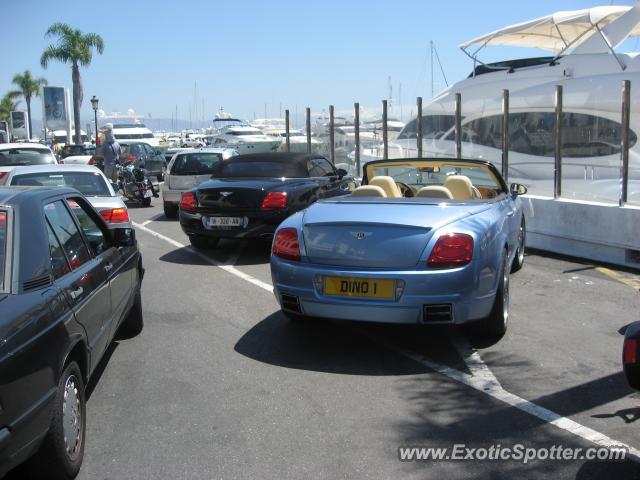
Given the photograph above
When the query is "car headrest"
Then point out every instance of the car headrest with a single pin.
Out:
(387, 184)
(435, 191)
(460, 187)
(369, 191)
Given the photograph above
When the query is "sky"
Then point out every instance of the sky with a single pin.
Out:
(251, 57)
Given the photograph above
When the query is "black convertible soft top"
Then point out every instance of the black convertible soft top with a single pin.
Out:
(267, 165)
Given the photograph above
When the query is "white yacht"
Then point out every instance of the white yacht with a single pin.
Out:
(229, 132)
(394, 127)
(583, 60)
(135, 131)
(297, 140)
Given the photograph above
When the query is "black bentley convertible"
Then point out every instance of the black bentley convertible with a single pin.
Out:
(248, 196)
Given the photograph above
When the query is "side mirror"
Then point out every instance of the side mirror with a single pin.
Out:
(342, 172)
(123, 237)
(517, 189)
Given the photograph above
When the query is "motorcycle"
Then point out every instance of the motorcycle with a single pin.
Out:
(134, 184)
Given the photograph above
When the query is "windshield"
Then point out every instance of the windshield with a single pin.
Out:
(245, 132)
(3, 245)
(132, 136)
(91, 184)
(196, 163)
(26, 156)
(253, 169)
(422, 173)
(70, 150)
(433, 126)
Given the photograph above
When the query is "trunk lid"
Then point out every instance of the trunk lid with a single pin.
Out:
(185, 182)
(382, 235)
(238, 195)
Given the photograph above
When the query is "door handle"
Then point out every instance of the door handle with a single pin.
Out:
(76, 293)
(108, 267)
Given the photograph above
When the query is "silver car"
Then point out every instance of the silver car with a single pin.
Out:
(87, 179)
(187, 169)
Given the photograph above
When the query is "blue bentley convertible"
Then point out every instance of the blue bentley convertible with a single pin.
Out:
(422, 241)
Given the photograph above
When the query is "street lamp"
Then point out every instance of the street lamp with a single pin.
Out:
(94, 105)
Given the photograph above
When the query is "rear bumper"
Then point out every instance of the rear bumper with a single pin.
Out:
(455, 287)
(170, 195)
(260, 225)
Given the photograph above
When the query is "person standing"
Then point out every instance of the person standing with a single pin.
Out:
(111, 152)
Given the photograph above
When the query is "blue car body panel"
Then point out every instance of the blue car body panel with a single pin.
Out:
(399, 236)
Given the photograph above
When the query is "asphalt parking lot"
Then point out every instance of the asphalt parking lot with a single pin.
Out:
(221, 385)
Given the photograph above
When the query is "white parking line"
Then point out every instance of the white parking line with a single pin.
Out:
(483, 380)
(480, 378)
(224, 266)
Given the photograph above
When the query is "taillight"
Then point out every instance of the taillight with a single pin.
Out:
(61, 161)
(131, 158)
(116, 215)
(3, 175)
(188, 202)
(630, 351)
(274, 201)
(451, 250)
(286, 244)
(92, 161)
(3, 220)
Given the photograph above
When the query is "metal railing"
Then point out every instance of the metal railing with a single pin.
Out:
(505, 138)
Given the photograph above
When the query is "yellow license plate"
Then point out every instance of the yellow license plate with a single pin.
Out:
(360, 287)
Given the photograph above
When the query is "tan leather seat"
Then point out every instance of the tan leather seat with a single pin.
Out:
(387, 184)
(369, 191)
(435, 191)
(460, 187)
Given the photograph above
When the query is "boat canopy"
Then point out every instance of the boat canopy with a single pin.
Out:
(560, 31)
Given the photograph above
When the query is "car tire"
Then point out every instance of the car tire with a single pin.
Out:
(495, 324)
(134, 321)
(203, 243)
(170, 210)
(146, 202)
(518, 259)
(56, 457)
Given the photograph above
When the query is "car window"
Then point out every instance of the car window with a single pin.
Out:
(196, 163)
(3, 245)
(67, 233)
(260, 169)
(320, 167)
(59, 264)
(98, 242)
(25, 156)
(91, 184)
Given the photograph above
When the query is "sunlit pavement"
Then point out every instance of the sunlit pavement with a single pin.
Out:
(221, 385)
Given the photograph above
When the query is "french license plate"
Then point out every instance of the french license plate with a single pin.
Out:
(222, 222)
(360, 287)
(147, 193)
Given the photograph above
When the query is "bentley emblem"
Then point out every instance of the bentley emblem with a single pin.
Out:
(361, 235)
(225, 194)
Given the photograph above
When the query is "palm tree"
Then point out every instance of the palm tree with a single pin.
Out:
(28, 86)
(74, 47)
(8, 105)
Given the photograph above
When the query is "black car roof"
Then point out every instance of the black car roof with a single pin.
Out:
(14, 196)
(287, 157)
